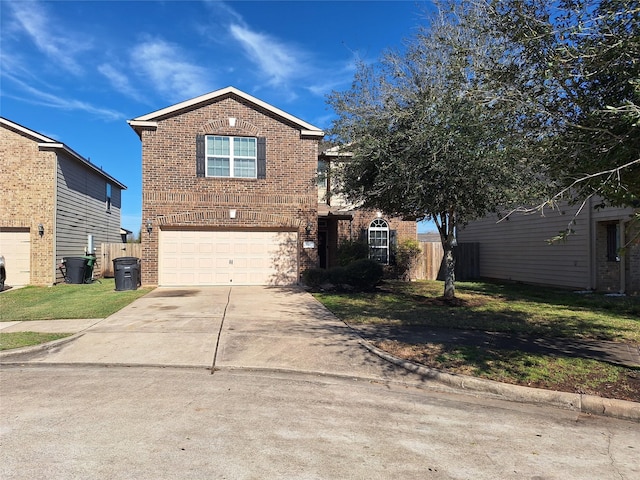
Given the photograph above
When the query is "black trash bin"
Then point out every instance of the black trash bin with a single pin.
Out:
(75, 269)
(127, 273)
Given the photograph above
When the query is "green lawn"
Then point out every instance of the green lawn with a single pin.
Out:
(508, 308)
(493, 307)
(26, 339)
(95, 300)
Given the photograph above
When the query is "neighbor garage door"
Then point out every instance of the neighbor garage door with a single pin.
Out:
(227, 258)
(15, 247)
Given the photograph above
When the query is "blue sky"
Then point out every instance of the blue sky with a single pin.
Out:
(76, 71)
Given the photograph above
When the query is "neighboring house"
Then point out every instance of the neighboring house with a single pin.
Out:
(589, 259)
(55, 204)
(338, 220)
(230, 194)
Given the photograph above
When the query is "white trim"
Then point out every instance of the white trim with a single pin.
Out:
(306, 128)
(26, 131)
(142, 124)
(312, 133)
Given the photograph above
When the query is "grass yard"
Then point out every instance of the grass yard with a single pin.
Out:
(509, 308)
(26, 339)
(95, 300)
(493, 307)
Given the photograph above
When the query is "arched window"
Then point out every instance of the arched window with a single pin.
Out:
(379, 241)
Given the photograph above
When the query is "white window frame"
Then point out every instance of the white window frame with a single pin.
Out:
(231, 157)
(379, 253)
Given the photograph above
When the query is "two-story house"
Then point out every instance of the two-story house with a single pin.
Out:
(230, 194)
(55, 204)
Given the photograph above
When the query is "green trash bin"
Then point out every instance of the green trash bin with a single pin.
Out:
(88, 271)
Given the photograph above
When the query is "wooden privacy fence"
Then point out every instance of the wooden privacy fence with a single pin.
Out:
(117, 250)
(431, 265)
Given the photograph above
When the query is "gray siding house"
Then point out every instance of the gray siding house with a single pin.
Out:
(55, 204)
(517, 249)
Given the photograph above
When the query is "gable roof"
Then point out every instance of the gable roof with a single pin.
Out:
(150, 120)
(45, 143)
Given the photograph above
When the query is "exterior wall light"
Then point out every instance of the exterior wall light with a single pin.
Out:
(149, 227)
(40, 229)
(232, 213)
(308, 228)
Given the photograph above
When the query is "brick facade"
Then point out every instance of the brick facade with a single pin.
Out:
(609, 274)
(28, 180)
(175, 197)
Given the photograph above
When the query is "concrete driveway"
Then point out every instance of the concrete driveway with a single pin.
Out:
(223, 327)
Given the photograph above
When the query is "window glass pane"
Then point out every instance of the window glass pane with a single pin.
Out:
(217, 145)
(244, 168)
(244, 147)
(218, 167)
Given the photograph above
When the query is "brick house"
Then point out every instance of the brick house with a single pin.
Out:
(230, 193)
(589, 259)
(55, 204)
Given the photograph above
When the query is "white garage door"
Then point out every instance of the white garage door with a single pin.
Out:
(15, 247)
(227, 258)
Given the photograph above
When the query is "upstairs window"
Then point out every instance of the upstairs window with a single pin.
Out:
(108, 197)
(323, 182)
(379, 241)
(231, 157)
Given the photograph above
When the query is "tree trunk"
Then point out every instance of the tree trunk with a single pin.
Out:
(449, 271)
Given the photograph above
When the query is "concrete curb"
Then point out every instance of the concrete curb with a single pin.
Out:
(588, 404)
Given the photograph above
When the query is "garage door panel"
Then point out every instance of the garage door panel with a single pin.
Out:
(16, 249)
(227, 258)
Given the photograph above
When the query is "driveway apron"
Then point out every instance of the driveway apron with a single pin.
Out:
(274, 328)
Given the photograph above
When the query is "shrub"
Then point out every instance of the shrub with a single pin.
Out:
(314, 277)
(351, 250)
(407, 256)
(364, 274)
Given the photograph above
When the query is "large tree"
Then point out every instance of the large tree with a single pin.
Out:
(431, 136)
(580, 67)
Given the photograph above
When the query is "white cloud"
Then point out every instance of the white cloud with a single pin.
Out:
(164, 67)
(33, 19)
(38, 97)
(278, 61)
(120, 81)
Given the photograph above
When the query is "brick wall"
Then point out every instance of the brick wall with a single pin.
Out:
(28, 179)
(632, 258)
(406, 230)
(174, 196)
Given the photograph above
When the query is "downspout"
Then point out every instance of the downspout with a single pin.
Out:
(593, 284)
(623, 259)
(54, 231)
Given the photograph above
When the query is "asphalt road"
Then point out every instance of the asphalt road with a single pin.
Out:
(85, 422)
